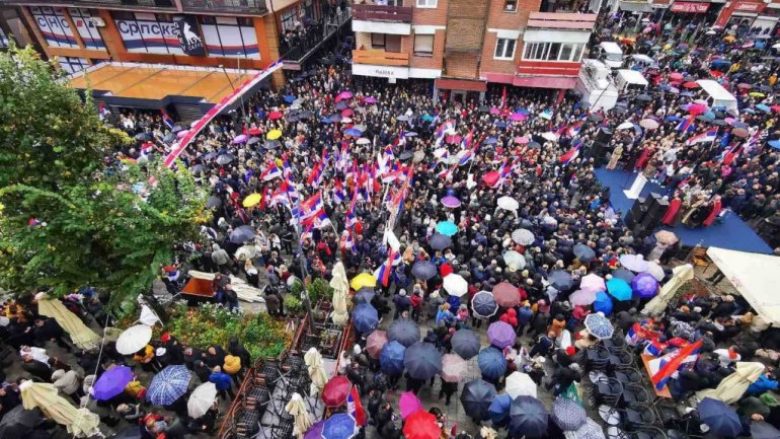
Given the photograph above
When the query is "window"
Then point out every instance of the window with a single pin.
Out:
(510, 5)
(393, 43)
(553, 52)
(308, 9)
(505, 49)
(82, 18)
(377, 41)
(229, 36)
(423, 45)
(288, 20)
(426, 3)
(72, 65)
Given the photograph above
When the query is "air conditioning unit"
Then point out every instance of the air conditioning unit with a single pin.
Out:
(96, 21)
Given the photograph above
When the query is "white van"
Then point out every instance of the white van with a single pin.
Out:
(630, 80)
(717, 96)
(611, 54)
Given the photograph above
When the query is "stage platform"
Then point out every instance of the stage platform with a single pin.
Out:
(731, 233)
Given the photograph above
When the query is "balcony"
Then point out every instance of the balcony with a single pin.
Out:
(163, 4)
(380, 58)
(255, 7)
(298, 45)
(392, 14)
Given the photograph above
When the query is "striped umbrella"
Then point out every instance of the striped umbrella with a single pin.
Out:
(169, 385)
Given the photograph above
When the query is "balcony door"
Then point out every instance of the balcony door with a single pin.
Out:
(388, 43)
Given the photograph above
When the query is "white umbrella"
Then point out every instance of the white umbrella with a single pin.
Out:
(201, 400)
(303, 419)
(133, 339)
(520, 384)
(514, 260)
(453, 368)
(313, 360)
(363, 141)
(552, 137)
(655, 270)
(635, 263)
(625, 125)
(523, 237)
(340, 286)
(508, 203)
(455, 285)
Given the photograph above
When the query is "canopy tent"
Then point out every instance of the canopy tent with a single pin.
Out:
(717, 95)
(755, 277)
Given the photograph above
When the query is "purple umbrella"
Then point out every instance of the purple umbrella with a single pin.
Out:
(501, 334)
(644, 285)
(315, 432)
(112, 383)
(370, 100)
(450, 201)
(241, 138)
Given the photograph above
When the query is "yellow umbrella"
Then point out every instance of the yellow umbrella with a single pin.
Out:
(756, 94)
(79, 422)
(273, 135)
(80, 334)
(733, 387)
(252, 200)
(363, 280)
(729, 38)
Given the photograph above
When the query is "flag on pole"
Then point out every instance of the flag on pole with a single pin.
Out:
(707, 136)
(355, 407)
(271, 172)
(167, 119)
(675, 362)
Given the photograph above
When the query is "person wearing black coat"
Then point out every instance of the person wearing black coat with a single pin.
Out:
(237, 349)
(374, 402)
(190, 356)
(202, 371)
(49, 329)
(214, 356)
(447, 390)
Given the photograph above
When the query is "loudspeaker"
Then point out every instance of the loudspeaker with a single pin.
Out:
(604, 135)
(637, 213)
(599, 153)
(657, 205)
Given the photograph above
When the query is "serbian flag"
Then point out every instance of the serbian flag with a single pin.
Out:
(311, 205)
(708, 136)
(339, 194)
(315, 176)
(384, 272)
(571, 154)
(674, 363)
(465, 156)
(575, 128)
(687, 125)
(271, 172)
(355, 407)
(167, 120)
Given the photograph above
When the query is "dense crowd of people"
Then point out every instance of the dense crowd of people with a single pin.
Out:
(364, 172)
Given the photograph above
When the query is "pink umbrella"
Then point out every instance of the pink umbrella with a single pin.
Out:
(490, 178)
(506, 295)
(409, 403)
(582, 298)
(593, 283)
(347, 112)
(450, 201)
(454, 139)
(240, 139)
(495, 111)
(521, 140)
(453, 368)
(344, 95)
(275, 115)
(518, 117)
(375, 342)
(370, 100)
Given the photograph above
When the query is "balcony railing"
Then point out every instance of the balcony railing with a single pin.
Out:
(168, 4)
(297, 45)
(394, 14)
(380, 57)
(244, 6)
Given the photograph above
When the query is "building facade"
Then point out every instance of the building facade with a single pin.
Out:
(464, 45)
(237, 34)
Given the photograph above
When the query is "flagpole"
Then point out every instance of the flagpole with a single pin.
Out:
(306, 301)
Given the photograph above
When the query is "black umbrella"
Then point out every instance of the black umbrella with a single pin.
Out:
(484, 304)
(305, 114)
(365, 294)
(561, 280)
(424, 270)
(465, 343)
(763, 430)
(528, 417)
(534, 145)
(242, 234)
(719, 122)
(404, 331)
(422, 361)
(644, 98)
(209, 156)
(439, 241)
(272, 144)
(584, 253)
(406, 155)
(143, 137)
(622, 273)
(595, 118)
(476, 398)
(20, 422)
(224, 159)
(213, 202)
(253, 141)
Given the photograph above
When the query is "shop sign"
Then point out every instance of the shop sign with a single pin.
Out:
(690, 7)
(749, 7)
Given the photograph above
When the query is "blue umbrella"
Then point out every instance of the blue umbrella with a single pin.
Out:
(568, 414)
(673, 118)
(325, 120)
(289, 99)
(477, 397)
(422, 361)
(499, 409)
(112, 383)
(622, 273)
(424, 270)
(774, 144)
(584, 253)
(492, 363)
(169, 385)
(722, 419)
(603, 303)
(391, 358)
(484, 304)
(339, 426)
(491, 141)
(404, 331)
(500, 124)
(365, 318)
(427, 117)
(561, 280)
(599, 326)
(439, 241)
(334, 118)
(619, 289)
(528, 417)
(447, 228)
(353, 132)
(465, 343)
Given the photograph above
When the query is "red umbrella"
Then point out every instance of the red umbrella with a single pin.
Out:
(691, 85)
(490, 178)
(506, 295)
(375, 342)
(775, 108)
(445, 269)
(421, 425)
(347, 112)
(675, 76)
(744, 86)
(336, 391)
(275, 115)
(255, 131)
(716, 73)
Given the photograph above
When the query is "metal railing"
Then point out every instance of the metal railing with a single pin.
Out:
(245, 6)
(396, 14)
(297, 43)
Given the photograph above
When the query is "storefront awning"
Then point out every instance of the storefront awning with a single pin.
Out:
(564, 83)
(460, 84)
(501, 78)
(634, 6)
